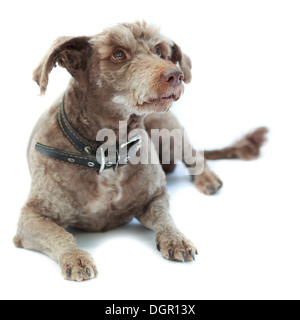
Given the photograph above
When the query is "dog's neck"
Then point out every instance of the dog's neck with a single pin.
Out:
(93, 110)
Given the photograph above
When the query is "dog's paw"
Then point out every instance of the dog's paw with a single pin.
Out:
(174, 246)
(248, 148)
(208, 182)
(78, 265)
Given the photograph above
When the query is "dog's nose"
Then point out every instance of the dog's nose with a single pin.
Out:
(174, 77)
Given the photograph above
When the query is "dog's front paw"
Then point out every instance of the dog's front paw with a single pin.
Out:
(174, 246)
(208, 182)
(78, 265)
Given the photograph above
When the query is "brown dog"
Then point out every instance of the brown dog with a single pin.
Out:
(127, 73)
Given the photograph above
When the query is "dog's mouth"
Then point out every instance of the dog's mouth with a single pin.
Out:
(160, 101)
(163, 99)
(166, 98)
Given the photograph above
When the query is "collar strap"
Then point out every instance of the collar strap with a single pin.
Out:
(88, 150)
(80, 143)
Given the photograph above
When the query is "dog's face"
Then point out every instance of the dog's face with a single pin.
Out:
(139, 68)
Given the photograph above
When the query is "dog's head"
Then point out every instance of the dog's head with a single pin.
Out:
(132, 63)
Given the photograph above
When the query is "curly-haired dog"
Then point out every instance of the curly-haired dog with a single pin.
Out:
(126, 73)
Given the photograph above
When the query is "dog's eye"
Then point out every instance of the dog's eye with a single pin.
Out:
(158, 51)
(119, 55)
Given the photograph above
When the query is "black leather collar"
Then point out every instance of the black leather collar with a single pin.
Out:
(87, 157)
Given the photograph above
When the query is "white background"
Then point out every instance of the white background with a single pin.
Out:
(246, 73)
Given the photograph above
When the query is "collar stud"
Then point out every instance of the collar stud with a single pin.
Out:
(88, 150)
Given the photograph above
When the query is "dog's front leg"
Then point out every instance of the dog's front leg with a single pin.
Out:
(39, 233)
(172, 244)
(207, 181)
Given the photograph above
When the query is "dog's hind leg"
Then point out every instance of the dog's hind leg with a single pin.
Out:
(39, 233)
(247, 148)
(207, 182)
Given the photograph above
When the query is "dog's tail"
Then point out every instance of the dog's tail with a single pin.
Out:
(248, 148)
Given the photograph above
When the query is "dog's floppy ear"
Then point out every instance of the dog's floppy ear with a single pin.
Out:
(184, 61)
(70, 53)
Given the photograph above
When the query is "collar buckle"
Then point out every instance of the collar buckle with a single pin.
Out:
(102, 155)
(137, 141)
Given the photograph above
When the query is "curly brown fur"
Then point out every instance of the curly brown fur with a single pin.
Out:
(102, 92)
(105, 90)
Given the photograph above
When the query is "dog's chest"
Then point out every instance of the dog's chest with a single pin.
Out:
(126, 190)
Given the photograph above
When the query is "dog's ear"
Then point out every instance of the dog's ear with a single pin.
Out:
(184, 61)
(70, 53)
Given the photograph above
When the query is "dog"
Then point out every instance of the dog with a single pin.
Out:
(129, 73)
